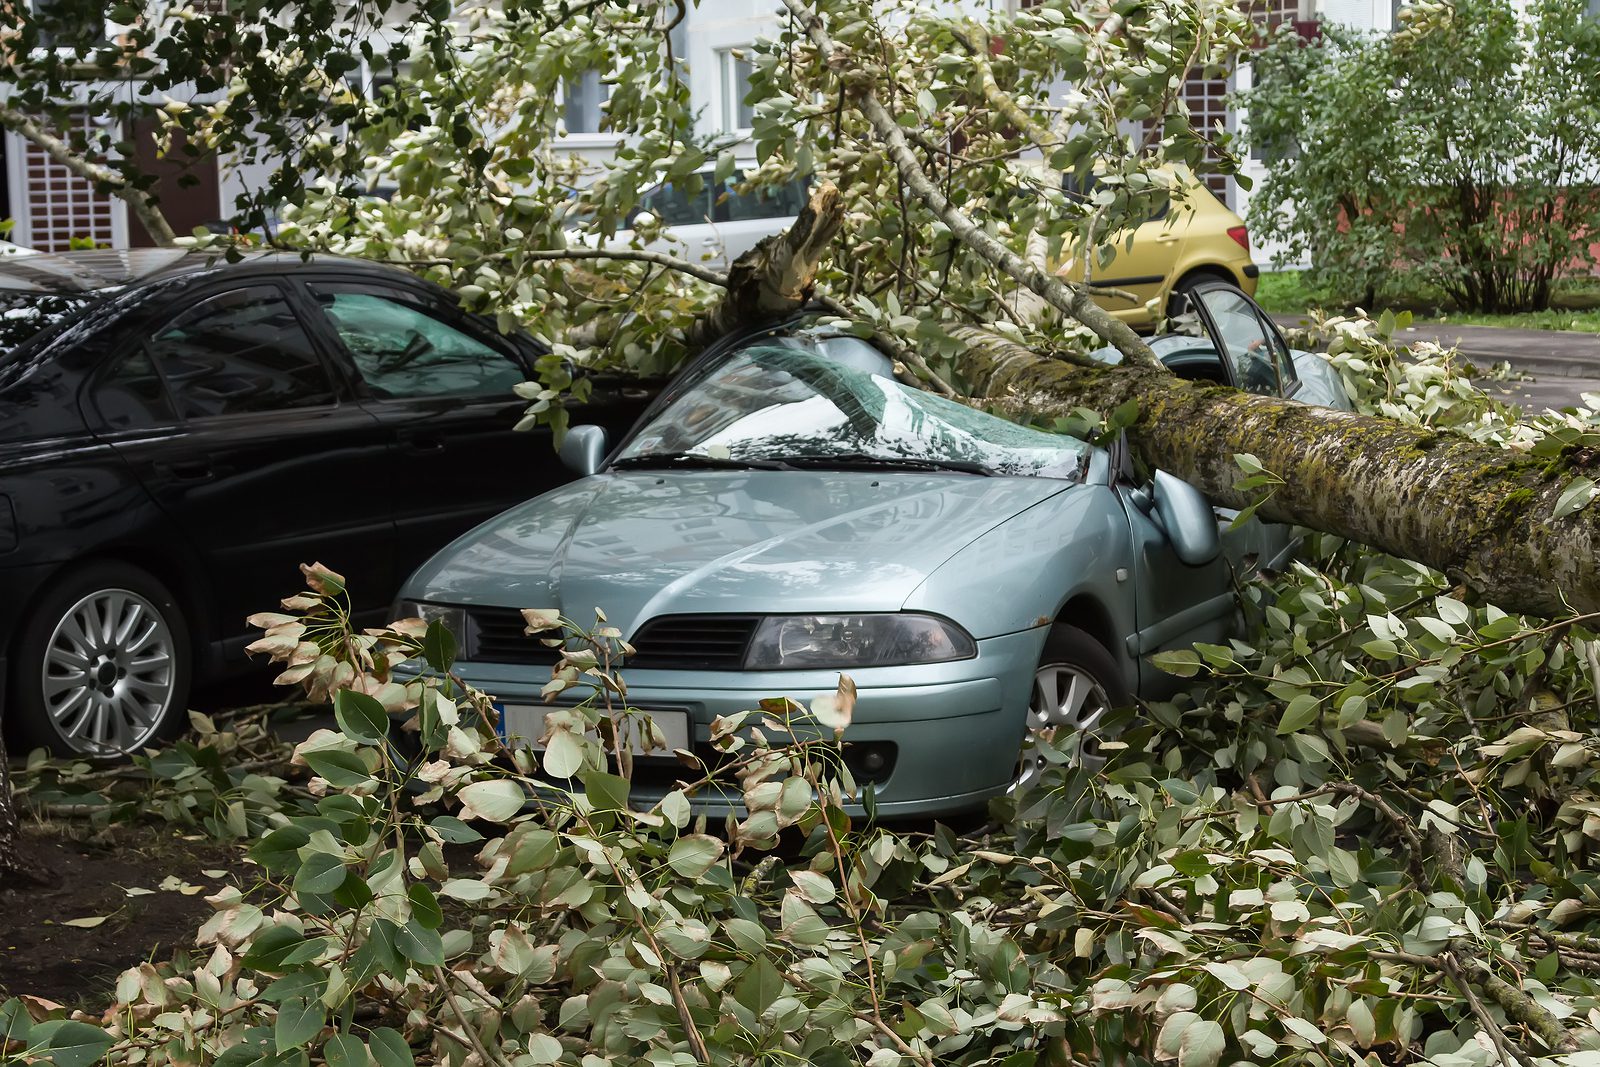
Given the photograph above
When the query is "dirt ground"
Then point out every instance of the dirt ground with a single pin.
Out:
(147, 885)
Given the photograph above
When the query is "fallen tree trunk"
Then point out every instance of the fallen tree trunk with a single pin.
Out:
(1479, 513)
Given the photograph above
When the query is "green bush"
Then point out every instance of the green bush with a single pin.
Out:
(1459, 153)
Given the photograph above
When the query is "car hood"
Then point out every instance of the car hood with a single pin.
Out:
(643, 544)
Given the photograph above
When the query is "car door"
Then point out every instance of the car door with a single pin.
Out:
(1257, 360)
(441, 385)
(1141, 268)
(266, 465)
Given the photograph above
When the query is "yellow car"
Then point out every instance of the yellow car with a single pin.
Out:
(1195, 241)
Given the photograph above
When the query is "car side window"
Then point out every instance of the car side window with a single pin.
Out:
(403, 351)
(761, 202)
(130, 394)
(673, 205)
(240, 352)
(1246, 343)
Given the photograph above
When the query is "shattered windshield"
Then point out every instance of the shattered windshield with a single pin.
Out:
(26, 316)
(780, 404)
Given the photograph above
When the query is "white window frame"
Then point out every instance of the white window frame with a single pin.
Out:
(732, 90)
(586, 138)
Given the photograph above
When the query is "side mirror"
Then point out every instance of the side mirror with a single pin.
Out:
(584, 449)
(1185, 516)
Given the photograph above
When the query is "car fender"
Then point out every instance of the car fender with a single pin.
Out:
(1020, 575)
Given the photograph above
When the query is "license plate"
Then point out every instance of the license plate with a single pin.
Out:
(523, 724)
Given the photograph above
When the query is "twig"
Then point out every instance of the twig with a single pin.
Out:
(697, 1043)
(461, 1016)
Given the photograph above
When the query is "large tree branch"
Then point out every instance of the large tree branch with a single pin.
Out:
(1069, 299)
(774, 279)
(139, 202)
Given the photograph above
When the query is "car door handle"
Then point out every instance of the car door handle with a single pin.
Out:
(196, 470)
(422, 443)
(633, 393)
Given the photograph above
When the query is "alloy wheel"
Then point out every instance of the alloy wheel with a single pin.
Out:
(109, 673)
(1065, 697)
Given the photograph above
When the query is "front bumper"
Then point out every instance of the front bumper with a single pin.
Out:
(954, 729)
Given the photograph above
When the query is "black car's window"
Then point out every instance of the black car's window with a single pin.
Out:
(240, 352)
(1250, 347)
(400, 350)
(131, 395)
(27, 318)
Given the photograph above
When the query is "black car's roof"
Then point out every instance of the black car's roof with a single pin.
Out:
(95, 270)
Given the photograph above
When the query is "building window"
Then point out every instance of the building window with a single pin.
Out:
(737, 114)
(584, 96)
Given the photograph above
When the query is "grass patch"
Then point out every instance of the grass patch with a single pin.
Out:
(1576, 300)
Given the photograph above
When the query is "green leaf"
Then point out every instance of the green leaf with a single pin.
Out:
(1300, 713)
(607, 792)
(360, 716)
(759, 986)
(67, 1043)
(1202, 1044)
(389, 1048)
(298, 1022)
(345, 1050)
(320, 872)
(343, 770)
(1180, 662)
(693, 855)
(1574, 497)
(543, 1049)
(439, 646)
(424, 906)
(420, 944)
(495, 800)
(453, 830)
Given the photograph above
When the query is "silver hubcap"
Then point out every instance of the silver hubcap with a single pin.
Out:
(108, 673)
(1065, 698)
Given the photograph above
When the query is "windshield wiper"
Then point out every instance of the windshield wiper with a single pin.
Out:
(866, 461)
(692, 459)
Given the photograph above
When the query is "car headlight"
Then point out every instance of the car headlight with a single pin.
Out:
(453, 616)
(826, 642)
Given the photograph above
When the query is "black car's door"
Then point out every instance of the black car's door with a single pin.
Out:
(264, 466)
(441, 385)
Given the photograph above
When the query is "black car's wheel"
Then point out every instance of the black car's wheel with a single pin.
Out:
(1076, 684)
(103, 666)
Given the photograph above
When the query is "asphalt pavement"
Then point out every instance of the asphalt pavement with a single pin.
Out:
(1558, 366)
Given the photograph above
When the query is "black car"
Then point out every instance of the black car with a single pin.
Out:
(178, 434)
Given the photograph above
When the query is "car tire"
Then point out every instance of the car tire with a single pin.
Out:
(1076, 683)
(102, 668)
(1185, 287)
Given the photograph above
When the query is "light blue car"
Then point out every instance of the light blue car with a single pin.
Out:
(787, 511)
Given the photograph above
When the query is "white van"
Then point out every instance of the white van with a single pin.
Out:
(716, 225)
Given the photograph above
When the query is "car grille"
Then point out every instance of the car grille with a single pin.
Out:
(693, 642)
(495, 635)
(672, 642)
